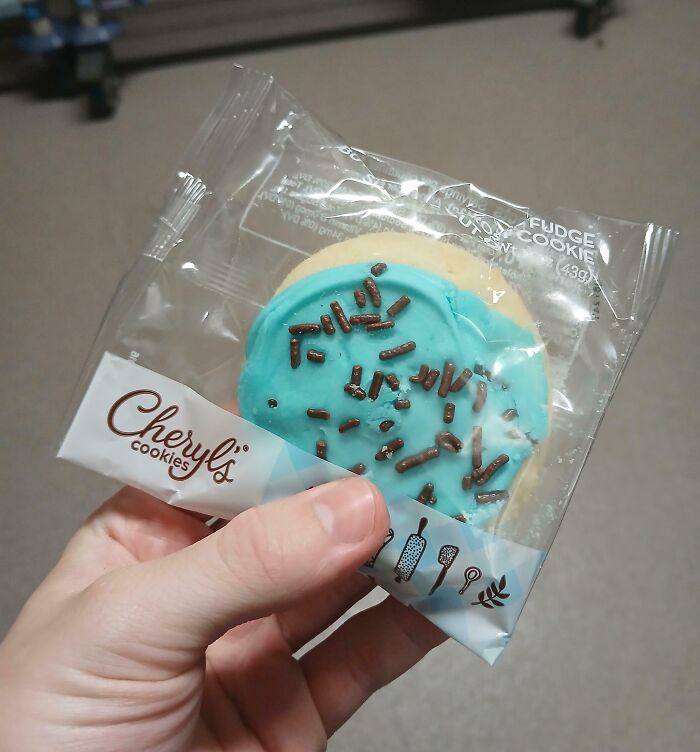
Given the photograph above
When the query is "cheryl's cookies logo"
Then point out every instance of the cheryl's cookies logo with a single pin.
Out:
(159, 439)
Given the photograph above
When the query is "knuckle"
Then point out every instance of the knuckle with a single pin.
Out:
(360, 668)
(106, 590)
(361, 676)
(315, 739)
(318, 741)
(108, 602)
(420, 635)
(251, 551)
(117, 601)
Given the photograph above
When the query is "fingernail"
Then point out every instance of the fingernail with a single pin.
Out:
(346, 510)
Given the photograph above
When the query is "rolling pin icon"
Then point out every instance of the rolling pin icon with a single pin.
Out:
(411, 554)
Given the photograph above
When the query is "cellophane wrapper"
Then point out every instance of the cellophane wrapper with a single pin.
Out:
(265, 185)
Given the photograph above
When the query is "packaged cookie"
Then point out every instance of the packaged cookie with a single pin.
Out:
(306, 310)
(399, 368)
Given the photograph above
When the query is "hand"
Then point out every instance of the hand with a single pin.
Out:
(155, 633)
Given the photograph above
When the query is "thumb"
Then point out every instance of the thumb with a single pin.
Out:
(265, 559)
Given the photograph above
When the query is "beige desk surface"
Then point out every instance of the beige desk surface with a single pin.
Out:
(607, 653)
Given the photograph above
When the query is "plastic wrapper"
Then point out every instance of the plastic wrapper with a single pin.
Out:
(478, 398)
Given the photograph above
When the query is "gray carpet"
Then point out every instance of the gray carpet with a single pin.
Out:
(607, 653)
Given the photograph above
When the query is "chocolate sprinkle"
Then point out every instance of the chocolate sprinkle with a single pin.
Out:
(394, 352)
(340, 316)
(392, 381)
(352, 423)
(510, 414)
(467, 482)
(489, 470)
(476, 447)
(378, 268)
(294, 353)
(272, 403)
(386, 425)
(480, 397)
(417, 459)
(402, 404)
(358, 469)
(376, 385)
(327, 324)
(360, 298)
(354, 391)
(398, 306)
(461, 381)
(446, 381)
(489, 496)
(430, 379)
(481, 371)
(460, 518)
(448, 414)
(388, 450)
(316, 356)
(314, 412)
(356, 375)
(426, 494)
(449, 441)
(380, 325)
(321, 449)
(419, 378)
(373, 291)
(365, 318)
(305, 329)
(394, 445)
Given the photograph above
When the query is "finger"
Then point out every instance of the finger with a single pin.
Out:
(130, 527)
(232, 407)
(255, 667)
(218, 523)
(146, 526)
(266, 559)
(206, 518)
(302, 623)
(364, 654)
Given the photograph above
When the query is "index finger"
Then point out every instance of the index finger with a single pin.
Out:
(367, 652)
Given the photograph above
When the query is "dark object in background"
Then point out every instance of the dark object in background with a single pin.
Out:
(170, 31)
(76, 49)
(90, 70)
(590, 16)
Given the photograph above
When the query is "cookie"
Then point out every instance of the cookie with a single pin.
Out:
(406, 359)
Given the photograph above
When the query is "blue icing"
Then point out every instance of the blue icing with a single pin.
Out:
(446, 324)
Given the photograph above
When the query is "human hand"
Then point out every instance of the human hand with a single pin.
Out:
(155, 633)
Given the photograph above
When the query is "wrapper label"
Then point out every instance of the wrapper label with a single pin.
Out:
(158, 435)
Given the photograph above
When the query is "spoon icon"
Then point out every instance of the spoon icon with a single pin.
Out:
(471, 574)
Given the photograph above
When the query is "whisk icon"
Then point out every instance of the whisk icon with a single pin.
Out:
(471, 574)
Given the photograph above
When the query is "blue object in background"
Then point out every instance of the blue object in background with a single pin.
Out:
(77, 50)
(46, 35)
(103, 33)
(49, 34)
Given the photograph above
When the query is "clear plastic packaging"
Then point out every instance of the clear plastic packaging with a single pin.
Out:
(264, 187)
